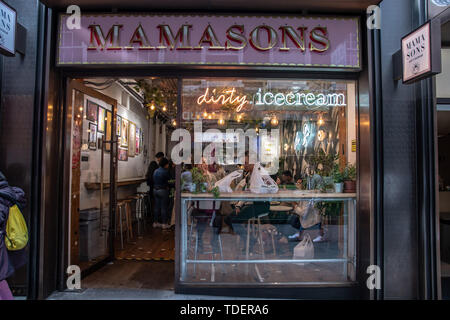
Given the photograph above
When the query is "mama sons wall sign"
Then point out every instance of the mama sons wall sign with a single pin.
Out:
(146, 39)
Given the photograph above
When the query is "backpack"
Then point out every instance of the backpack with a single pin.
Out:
(16, 230)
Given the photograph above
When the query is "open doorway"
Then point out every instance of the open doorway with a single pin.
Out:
(118, 128)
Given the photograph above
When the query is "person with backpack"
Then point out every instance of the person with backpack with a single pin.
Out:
(10, 259)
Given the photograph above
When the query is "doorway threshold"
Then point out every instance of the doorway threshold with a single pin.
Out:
(134, 294)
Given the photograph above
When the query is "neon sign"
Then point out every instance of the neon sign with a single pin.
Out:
(225, 97)
(299, 99)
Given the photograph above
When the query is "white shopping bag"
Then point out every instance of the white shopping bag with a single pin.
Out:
(304, 250)
(261, 182)
(224, 183)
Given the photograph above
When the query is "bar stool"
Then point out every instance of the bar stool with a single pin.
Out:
(138, 212)
(212, 252)
(121, 205)
(141, 205)
(254, 226)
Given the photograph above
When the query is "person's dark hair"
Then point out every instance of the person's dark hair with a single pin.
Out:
(287, 173)
(163, 162)
(153, 165)
(160, 155)
(188, 166)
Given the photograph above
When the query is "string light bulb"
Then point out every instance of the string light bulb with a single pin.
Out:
(274, 121)
(164, 108)
(221, 122)
(152, 107)
(321, 122)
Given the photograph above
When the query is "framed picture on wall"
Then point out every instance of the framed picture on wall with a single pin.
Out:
(108, 130)
(124, 133)
(142, 139)
(101, 119)
(132, 137)
(123, 155)
(92, 136)
(119, 125)
(91, 111)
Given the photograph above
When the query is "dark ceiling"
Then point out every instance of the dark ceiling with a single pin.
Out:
(289, 6)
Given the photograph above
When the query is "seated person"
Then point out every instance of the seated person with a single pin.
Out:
(286, 178)
(245, 210)
(306, 217)
(207, 212)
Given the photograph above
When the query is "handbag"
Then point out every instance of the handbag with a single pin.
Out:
(304, 250)
(308, 214)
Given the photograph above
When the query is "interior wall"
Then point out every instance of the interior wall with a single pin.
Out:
(133, 169)
(443, 79)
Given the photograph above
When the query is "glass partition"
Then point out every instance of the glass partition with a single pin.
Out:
(268, 181)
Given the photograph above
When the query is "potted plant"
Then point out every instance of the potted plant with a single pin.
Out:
(350, 178)
(338, 179)
(198, 180)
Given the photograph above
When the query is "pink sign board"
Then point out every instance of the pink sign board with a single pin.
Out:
(146, 39)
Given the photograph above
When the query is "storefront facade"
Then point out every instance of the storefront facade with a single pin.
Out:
(317, 80)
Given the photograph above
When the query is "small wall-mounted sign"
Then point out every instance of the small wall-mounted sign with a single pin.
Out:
(8, 22)
(421, 54)
(353, 145)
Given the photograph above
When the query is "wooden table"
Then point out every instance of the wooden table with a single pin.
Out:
(280, 208)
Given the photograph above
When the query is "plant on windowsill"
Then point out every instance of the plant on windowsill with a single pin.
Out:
(322, 165)
(338, 179)
(349, 178)
(198, 181)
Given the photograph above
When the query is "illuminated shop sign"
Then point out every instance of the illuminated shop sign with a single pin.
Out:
(209, 39)
(227, 96)
(300, 99)
(224, 97)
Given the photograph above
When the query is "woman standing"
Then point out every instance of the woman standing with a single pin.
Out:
(9, 196)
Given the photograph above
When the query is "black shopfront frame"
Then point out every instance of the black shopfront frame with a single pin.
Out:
(350, 291)
(55, 81)
(45, 272)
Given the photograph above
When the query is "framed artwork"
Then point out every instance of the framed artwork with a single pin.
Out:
(123, 155)
(132, 139)
(138, 141)
(91, 111)
(108, 130)
(124, 133)
(119, 126)
(101, 119)
(142, 140)
(92, 141)
(100, 143)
